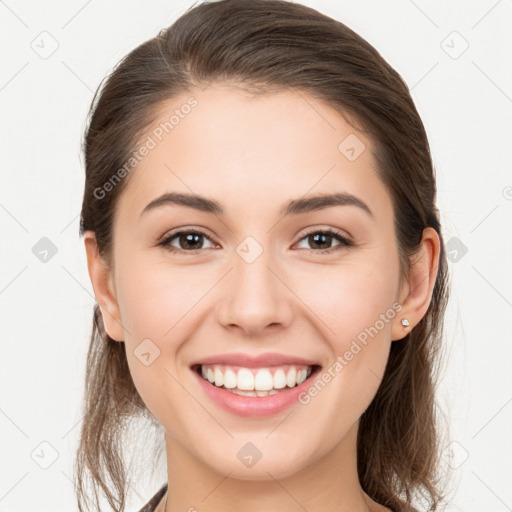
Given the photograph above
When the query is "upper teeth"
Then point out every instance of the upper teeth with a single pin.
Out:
(255, 379)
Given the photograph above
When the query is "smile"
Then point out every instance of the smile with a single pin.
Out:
(254, 392)
(255, 382)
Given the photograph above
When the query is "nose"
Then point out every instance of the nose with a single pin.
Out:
(257, 297)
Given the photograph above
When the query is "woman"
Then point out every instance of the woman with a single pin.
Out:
(263, 242)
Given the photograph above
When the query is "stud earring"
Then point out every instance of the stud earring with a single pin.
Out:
(405, 322)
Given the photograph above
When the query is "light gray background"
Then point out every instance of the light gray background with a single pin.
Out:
(465, 100)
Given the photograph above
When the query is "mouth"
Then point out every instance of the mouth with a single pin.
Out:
(256, 382)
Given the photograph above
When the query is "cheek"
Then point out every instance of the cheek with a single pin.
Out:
(354, 308)
(349, 301)
(156, 301)
(155, 306)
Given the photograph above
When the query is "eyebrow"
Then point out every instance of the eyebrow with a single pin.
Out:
(293, 207)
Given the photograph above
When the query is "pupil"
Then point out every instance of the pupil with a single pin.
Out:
(190, 236)
(328, 237)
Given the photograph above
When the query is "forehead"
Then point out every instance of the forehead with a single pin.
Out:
(246, 150)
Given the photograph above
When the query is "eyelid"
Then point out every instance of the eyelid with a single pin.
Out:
(186, 229)
(310, 230)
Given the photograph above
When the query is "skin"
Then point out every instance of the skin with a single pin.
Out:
(252, 155)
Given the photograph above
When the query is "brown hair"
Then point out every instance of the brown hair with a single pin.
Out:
(271, 45)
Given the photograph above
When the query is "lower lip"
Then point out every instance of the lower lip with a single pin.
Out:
(254, 405)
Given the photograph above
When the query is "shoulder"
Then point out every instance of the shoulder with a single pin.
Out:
(151, 505)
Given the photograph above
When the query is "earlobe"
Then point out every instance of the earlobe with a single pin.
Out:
(423, 275)
(102, 283)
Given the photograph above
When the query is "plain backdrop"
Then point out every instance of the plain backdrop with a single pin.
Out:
(455, 57)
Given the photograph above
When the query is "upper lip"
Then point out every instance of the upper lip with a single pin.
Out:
(259, 361)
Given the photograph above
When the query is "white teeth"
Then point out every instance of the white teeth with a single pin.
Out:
(254, 393)
(245, 379)
(249, 382)
(219, 378)
(301, 376)
(229, 378)
(263, 381)
(237, 391)
(279, 379)
(291, 378)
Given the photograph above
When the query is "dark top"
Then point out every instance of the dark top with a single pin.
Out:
(154, 501)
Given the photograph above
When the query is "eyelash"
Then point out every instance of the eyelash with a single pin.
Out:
(344, 241)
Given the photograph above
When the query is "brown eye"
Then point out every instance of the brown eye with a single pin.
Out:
(188, 241)
(320, 241)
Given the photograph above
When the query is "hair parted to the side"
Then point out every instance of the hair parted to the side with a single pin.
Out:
(264, 46)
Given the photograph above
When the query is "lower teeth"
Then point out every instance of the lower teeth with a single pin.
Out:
(251, 393)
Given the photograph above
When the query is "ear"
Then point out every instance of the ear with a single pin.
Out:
(417, 292)
(102, 283)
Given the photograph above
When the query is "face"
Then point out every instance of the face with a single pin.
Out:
(318, 286)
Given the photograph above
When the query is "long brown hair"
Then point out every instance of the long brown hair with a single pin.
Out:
(270, 45)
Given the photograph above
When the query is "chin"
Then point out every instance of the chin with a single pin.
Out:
(266, 468)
